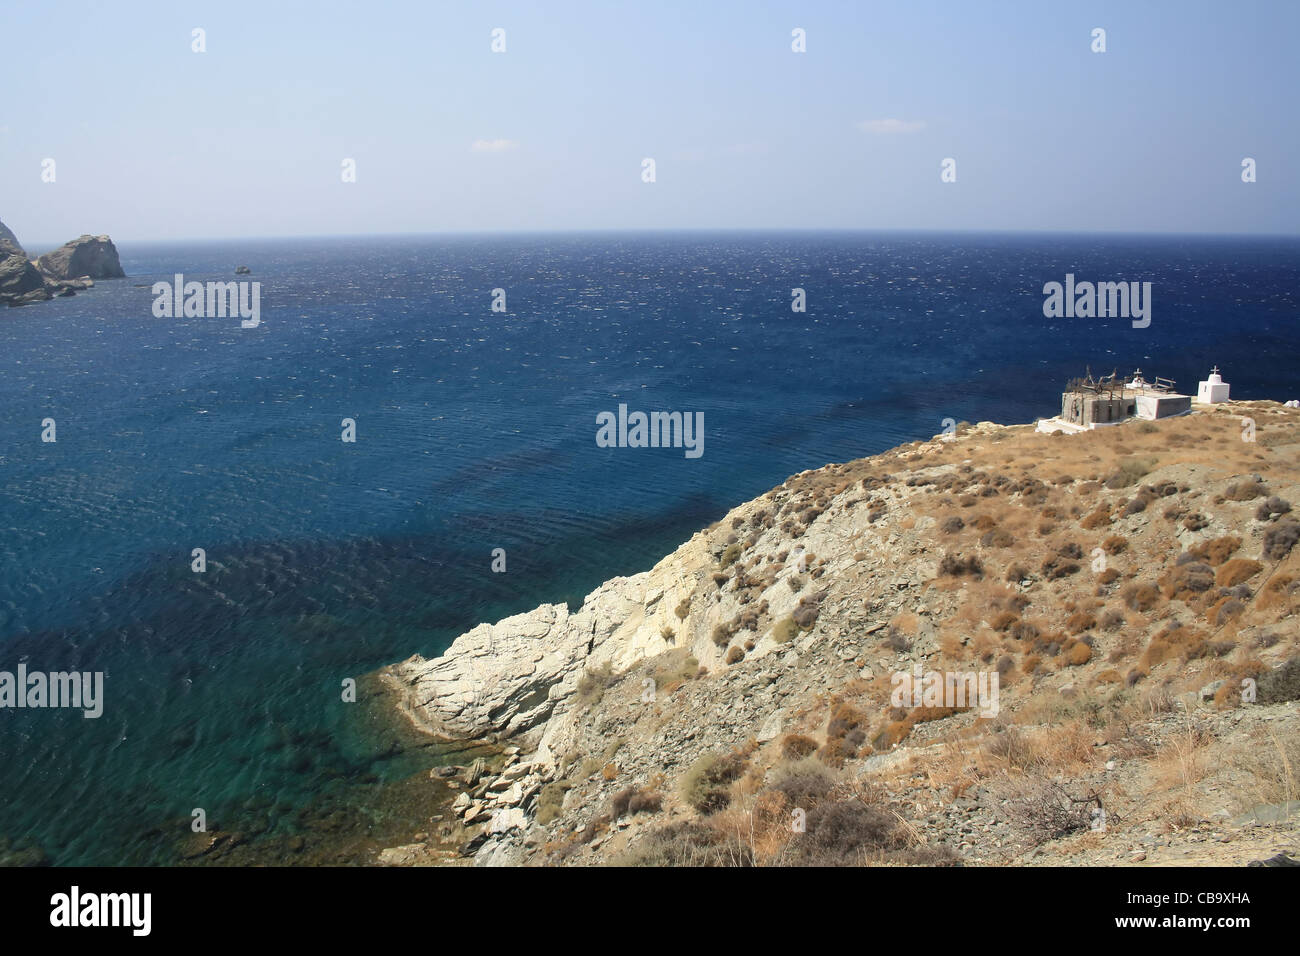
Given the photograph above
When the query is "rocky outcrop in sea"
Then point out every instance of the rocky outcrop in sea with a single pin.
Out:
(93, 256)
(72, 267)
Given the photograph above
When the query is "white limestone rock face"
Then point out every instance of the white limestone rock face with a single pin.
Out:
(497, 678)
(503, 679)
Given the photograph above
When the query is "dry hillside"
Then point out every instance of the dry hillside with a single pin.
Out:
(1127, 586)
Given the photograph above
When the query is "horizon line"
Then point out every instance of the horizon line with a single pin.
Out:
(699, 230)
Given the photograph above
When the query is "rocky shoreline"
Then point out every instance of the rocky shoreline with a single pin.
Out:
(65, 271)
(765, 636)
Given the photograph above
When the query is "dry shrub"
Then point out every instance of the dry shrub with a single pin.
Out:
(706, 785)
(1129, 471)
(1113, 620)
(1099, 518)
(1158, 650)
(673, 669)
(797, 746)
(1237, 571)
(1004, 620)
(1115, 544)
(803, 783)
(1056, 566)
(998, 538)
(1280, 539)
(1080, 621)
(893, 733)
(1281, 684)
(785, 630)
(1245, 491)
(1078, 654)
(1215, 552)
(594, 682)
(634, 800)
(1225, 610)
(1140, 597)
(1271, 767)
(689, 844)
(847, 833)
(846, 732)
(1272, 507)
(954, 565)
(1186, 581)
(1016, 573)
(1278, 591)
(1043, 810)
(1181, 761)
(1024, 631)
(1227, 697)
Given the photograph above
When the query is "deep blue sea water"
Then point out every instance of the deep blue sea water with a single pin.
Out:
(475, 431)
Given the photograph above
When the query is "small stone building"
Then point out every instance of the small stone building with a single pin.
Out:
(1091, 403)
(1086, 409)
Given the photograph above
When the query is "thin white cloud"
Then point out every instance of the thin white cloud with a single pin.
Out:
(889, 127)
(494, 145)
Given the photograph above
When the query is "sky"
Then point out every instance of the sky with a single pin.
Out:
(152, 140)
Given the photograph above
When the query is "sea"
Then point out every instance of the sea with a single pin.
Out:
(475, 444)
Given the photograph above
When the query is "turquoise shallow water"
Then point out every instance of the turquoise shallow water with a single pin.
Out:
(475, 431)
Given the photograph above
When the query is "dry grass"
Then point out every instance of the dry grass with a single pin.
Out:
(1271, 765)
(1181, 762)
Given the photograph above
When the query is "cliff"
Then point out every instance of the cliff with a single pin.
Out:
(72, 267)
(1113, 590)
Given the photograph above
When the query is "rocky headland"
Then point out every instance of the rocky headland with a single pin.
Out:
(72, 267)
(1134, 590)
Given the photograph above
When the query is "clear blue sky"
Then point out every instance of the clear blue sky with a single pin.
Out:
(152, 140)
